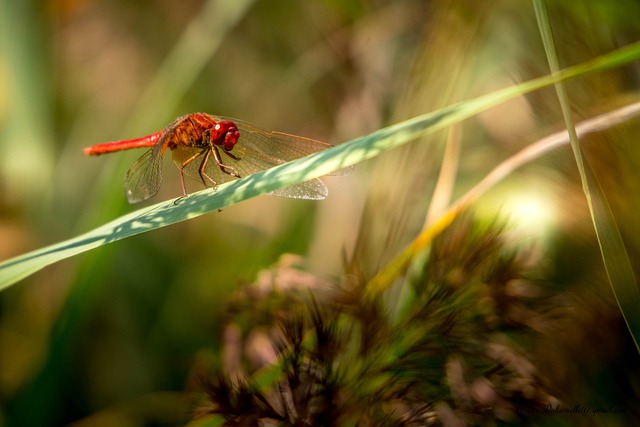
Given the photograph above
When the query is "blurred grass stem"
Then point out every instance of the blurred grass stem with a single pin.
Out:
(612, 248)
(399, 265)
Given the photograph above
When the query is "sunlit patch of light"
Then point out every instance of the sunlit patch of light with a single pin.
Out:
(529, 211)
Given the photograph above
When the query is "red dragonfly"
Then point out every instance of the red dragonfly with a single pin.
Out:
(213, 150)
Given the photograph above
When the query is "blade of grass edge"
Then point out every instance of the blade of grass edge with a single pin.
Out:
(612, 248)
(398, 266)
(313, 166)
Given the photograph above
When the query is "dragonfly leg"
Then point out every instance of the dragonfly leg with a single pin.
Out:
(202, 171)
(229, 170)
(230, 154)
(184, 165)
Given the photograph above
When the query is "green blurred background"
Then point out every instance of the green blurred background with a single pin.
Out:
(111, 337)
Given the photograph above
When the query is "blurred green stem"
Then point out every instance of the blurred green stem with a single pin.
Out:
(27, 141)
(612, 248)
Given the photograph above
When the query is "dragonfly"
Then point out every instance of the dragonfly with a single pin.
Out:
(213, 150)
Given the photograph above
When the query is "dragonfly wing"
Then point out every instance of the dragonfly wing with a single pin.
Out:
(293, 147)
(249, 162)
(277, 144)
(245, 163)
(310, 190)
(190, 159)
(252, 161)
(282, 145)
(143, 180)
(346, 171)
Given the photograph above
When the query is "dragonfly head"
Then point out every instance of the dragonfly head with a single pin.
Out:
(231, 137)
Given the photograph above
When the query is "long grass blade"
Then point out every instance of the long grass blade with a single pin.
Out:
(399, 265)
(614, 253)
(313, 166)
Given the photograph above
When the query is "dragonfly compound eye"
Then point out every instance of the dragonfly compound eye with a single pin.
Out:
(231, 138)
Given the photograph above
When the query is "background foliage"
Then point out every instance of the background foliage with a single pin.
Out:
(114, 336)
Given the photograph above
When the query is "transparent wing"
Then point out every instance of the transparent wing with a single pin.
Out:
(143, 180)
(182, 154)
(256, 150)
(281, 145)
(248, 163)
(277, 144)
(310, 190)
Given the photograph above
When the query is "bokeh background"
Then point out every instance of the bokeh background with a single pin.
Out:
(112, 337)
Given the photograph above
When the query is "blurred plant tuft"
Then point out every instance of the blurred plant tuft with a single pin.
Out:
(460, 356)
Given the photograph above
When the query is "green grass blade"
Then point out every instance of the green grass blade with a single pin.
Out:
(26, 102)
(614, 253)
(347, 154)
